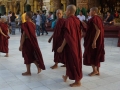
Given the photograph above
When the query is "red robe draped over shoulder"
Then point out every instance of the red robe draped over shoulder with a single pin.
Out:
(58, 38)
(4, 40)
(73, 52)
(94, 56)
(31, 51)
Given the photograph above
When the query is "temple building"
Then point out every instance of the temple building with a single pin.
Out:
(52, 5)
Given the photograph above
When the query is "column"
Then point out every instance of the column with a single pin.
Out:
(6, 9)
(35, 6)
(56, 4)
(21, 7)
(14, 9)
(10, 6)
(32, 8)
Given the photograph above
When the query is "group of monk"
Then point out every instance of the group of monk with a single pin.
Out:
(66, 44)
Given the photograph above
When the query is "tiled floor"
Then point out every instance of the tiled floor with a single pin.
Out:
(12, 67)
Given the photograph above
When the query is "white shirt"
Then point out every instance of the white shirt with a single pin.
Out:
(81, 18)
(51, 17)
(5, 17)
(38, 20)
(88, 18)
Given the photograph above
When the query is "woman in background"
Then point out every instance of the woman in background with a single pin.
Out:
(13, 23)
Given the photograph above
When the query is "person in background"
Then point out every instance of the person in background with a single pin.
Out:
(13, 23)
(43, 17)
(9, 22)
(116, 15)
(38, 18)
(109, 19)
(81, 17)
(50, 17)
(23, 17)
(5, 17)
(34, 18)
(88, 16)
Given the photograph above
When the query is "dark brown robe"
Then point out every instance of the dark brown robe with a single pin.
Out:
(94, 56)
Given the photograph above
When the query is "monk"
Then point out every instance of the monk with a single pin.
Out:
(58, 39)
(94, 43)
(4, 36)
(72, 47)
(29, 46)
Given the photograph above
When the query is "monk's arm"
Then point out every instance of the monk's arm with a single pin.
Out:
(2, 33)
(63, 44)
(8, 31)
(50, 38)
(22, 39)
(97, 33)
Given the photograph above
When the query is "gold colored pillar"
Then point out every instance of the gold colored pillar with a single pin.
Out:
(6, 9)
(64, 7)
(32, 8)
(14, 9)
(21, 7)
(10, 6)
(35, 6)
(55, 4)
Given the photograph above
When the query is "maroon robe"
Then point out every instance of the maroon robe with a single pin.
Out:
(73, 52)
(31, 51)
(4, 40)
(58, 38)
(94, 56)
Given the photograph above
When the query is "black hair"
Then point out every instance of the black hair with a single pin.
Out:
(38, 12)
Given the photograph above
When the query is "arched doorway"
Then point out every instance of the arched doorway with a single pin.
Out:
(2, 9)
(27, 8)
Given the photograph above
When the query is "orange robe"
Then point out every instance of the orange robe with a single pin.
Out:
(58, 38)
(73, 52)
(94, 56)
(4, 40)
(31, 51)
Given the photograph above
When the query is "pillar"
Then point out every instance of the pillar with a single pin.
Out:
(14, 9)
(32, 8)
(10, 6)
(6, 9)
(35, 6)
(21, 7)
(55, 4)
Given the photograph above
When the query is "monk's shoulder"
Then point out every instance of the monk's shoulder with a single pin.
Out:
(98, 18)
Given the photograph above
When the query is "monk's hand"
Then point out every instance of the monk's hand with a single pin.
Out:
(20, 48)
(60, 49)
(94, 45)
(50, 40)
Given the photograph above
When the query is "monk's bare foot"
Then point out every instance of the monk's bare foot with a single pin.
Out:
(6, 56)
(54, 66)
(63, 66)
(93, 74)
(76, 84)
(26, 74)
(64, 78)
(39, 70)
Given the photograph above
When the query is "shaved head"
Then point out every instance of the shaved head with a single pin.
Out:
(71, 8)
(95, 9)
(3, 19)
(59, 11)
